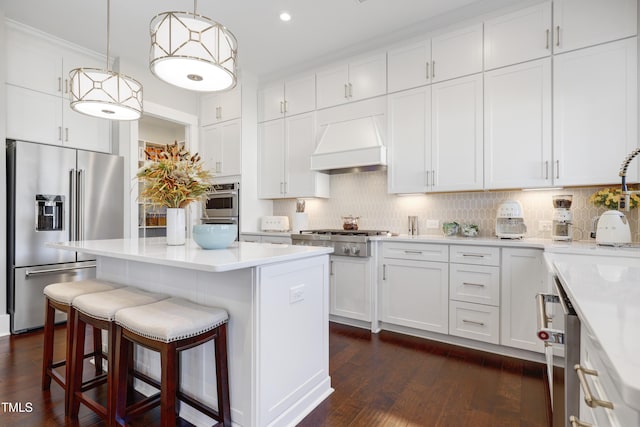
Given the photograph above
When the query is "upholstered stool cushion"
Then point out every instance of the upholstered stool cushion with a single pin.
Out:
(104, 305)
(171, 319)
(66, 292)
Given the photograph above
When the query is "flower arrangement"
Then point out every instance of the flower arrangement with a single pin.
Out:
(175, 179)
(610, 198)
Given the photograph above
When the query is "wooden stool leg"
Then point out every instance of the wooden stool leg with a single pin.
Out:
(222, 376)
(169, 371)
(47, 353)
(122, 358)
(97, 349)
(77, 365)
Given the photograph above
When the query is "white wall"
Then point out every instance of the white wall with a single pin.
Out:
(4, 318)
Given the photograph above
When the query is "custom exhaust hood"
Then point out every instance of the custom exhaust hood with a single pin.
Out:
(351, 138)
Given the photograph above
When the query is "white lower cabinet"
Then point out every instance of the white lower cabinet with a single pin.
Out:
(350, 287)
(262, 238)
(414, 293)
(523, 276)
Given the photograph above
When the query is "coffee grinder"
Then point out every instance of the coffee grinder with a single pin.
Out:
(562, 218)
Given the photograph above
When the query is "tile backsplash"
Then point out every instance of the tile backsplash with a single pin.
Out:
(365, 195)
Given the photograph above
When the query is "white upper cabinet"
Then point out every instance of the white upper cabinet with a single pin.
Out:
(595, 112)
(38, 106)
(517, 37)
(517, 126)
(363, 77)
(582, 23)
(456, 134)
(456, 53)
(293, 96)
(409, 66)
(220, 148)
(271, 155)
(220, 107)
(409, 145)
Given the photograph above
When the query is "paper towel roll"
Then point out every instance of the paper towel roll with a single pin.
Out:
(300, 222)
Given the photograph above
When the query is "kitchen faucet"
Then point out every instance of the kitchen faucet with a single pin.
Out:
(625, 197)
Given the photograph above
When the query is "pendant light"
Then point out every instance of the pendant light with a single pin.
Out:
(105, 93)
(192, 51)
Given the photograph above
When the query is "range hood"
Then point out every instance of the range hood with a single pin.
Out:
(350, 138)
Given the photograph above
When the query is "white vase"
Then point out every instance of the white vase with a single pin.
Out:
(176, 226)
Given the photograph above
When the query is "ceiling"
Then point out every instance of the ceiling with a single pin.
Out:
(319, 31)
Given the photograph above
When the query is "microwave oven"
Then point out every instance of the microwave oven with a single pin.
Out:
(222, 201)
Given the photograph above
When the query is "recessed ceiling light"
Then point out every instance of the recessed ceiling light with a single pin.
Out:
(285, 16)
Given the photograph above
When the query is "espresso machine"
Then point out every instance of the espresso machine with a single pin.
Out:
(562, 218)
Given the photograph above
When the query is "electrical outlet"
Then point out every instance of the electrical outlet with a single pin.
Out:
(296, 294)
(433, 223)
(544, 225)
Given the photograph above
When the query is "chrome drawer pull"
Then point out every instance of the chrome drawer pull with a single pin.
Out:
(473, 322)
(413, 252)
(577, 423)
(588, 397)
(474, 255)
(480, 285)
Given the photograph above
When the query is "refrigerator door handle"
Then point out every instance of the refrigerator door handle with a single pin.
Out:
(80, 204)
(29, 273)
(72, 205)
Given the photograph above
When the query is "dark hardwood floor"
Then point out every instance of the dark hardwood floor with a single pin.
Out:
(384, 379)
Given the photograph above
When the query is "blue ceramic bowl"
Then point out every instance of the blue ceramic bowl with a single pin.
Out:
(214, 236)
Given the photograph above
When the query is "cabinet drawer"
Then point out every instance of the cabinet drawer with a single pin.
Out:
(474, 283)
(479, 255)
(415, 251)
(474, 321)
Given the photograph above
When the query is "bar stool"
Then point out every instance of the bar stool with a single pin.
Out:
(58, 296)
(98, 310)
(169, 327)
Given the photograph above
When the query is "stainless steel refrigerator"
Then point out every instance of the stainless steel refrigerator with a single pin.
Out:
(55, 194)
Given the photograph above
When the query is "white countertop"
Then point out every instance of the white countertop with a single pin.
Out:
(605, 291)
(155, 251)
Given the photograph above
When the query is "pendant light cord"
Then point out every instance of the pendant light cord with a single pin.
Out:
(108, 32)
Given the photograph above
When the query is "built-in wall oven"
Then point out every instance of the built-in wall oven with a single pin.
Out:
(565, 399)
(222, 205)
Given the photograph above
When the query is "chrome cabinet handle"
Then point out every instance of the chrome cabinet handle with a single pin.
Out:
(473, 322)
(345, 91)
(558, 36)
(546, 169)
(408, 252)
(350, 90)
(433, 69)
(433, 177)
(56, 270)
(218, 167)
(547, 43)
(281, 187)
(384, 272)
(480, 285)
(80, 189)
(469, 254)
(331, 268)
(59, 84)
(66, 134)
(66, 85)
(285, 187)
(578, 423)
(557, 169)
(427, 70)
(281, 107)
(285, 106)
(59, 133)
(588, 396)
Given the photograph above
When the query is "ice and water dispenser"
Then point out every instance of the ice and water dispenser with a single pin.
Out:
(49, 212)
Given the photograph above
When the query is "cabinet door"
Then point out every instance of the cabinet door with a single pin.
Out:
(271, 145)
(368, 77)
(332, 86)
(300, 95)
(220, 107)
(456, 142)
(523, 276)
(457, 53)
(595, 113)
(409, 147)
(581, 23)
(221, 148)
(415, 294)
(85, 132)
(33, 62)
(34, 116)
(271, 102)
(300, 137)
(409, 66)
(517, 126)
(518, 37)
(350, 288)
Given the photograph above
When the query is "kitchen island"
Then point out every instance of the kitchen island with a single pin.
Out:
(277, 298)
